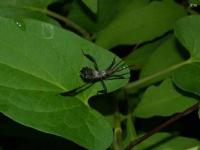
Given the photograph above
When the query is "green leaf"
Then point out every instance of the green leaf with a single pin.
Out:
(91, 4)
(166, 141)
(77, 15)
(51, 64)
(62, 116)
(167, 55)
(140, 56)
(188, 33)
(188, 78)
(37, 64)
(106, 13)
(26, 9)
(136, 26)
(163, 100)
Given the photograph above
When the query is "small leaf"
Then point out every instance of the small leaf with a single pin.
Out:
(77, 15)
(188, 78)
(106, 13)
(140, 56)
(166, 54)
(163, 100)
(136, 26)
(188, 33)
(166, 141)
(91, 4)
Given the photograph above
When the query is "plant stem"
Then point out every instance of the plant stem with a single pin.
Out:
(165, 124)
(117, 141)
(117, 137)
(68, 22)
(148, 80)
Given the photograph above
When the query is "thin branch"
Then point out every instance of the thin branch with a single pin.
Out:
(117, 137)
(165, 124)
(150, 79)
(69, 23)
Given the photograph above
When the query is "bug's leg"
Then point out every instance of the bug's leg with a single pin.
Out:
(117, 78)
(105, 90)
(112, 64)
(120, 76)
(120, 69)
(78, 90)
(89, 57)
(116, 65)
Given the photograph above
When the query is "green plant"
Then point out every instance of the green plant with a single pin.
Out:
(40, 58)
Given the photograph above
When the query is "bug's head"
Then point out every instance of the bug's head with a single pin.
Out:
(86, 73)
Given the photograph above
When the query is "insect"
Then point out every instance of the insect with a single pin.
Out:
(92, 75)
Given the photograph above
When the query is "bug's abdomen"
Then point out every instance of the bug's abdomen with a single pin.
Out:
(90, 75)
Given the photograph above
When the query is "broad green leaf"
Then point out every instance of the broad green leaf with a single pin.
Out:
(163, 100)
(37, 64)
(188, 33)
(166, 141)
(188, 78)
(62, 116)
(26, 9)
(140, 56)
(165, 56)
(51, 64)
(91, 4)
(136, 26)
(106, 13)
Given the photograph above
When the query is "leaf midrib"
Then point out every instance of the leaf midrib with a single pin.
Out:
(42, 69)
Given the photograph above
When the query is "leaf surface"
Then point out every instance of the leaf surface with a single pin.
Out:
(18, 9)
(163, 100)
(188, 33)
(62, 116)
(106, 13)
(91, 4)
(39, 62)
(140, 56)
(136, 26)
(166, 141)
(165, 56)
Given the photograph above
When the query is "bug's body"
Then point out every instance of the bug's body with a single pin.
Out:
(91, 76)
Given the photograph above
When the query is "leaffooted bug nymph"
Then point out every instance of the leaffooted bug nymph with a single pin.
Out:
(92, 75)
